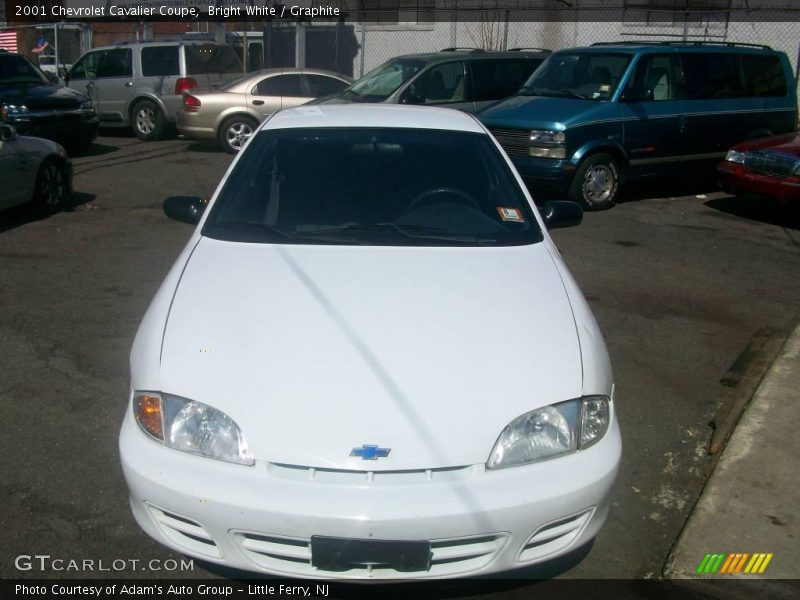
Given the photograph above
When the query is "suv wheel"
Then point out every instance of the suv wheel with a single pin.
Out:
(234, 132)
(52, 186)
(148, 120)
(596, 182)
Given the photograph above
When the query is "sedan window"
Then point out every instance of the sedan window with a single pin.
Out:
(372, 186)
(281, 85)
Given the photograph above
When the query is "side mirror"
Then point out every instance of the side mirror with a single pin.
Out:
(412, 96)
(62, 73)
(187, 209)
(7, 133)
(561, 213)
(52, 77)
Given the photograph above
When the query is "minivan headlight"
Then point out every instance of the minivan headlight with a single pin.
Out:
(545, 143)
(551, 431)
(191, 426)
(735, 156)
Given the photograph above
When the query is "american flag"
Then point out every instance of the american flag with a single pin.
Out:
(8, 40)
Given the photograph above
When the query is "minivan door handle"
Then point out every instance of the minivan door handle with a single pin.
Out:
(258, 102)
(128, 84)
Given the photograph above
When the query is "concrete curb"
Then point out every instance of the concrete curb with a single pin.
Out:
(749, 503)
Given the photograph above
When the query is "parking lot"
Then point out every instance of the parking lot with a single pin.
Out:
(679, 276)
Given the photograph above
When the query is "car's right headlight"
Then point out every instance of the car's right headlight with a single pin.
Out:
(191, 426)
(551, 431)
(735, 156)
(546, 143)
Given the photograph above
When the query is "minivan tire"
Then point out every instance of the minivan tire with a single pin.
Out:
(148, 121)
(596, 182)
(235, 131)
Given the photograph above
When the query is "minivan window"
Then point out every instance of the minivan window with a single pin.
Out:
(382, 82)
(763, 76)
(211, 58)
(115, 63)
(584, 75)
(441, 84)
(653, 80)
(462, 192)
(711, 75)
(496, 79)
(160, 61)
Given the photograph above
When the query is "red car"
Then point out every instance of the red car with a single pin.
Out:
(764, 167)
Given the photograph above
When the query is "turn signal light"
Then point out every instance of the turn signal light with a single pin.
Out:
(147, 410)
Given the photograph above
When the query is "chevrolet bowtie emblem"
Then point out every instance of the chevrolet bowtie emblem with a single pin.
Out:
(368, 452)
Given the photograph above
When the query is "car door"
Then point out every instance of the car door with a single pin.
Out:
(276, 91)
(652, 115)
(113, 84)
(82, 75)
(19, 173)
(443, 84)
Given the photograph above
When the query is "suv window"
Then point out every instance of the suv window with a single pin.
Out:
(711, 75)
(281, 85)
(86, 68)
(211, 58)
(160, 61)
(654, 79)
(320, 85)
(496, 79)
(440, 84)
(763, 76)
(115, 63)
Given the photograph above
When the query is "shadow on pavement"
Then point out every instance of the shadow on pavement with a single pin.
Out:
(97, 150)
(764, 210)
(693, 184)
(25, 213)
(204, 147)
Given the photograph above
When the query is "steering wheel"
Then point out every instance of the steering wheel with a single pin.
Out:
(433, 197)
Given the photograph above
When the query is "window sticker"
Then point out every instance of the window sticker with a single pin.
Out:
(510, 214)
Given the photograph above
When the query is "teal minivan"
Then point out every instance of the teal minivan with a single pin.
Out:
(589, 119)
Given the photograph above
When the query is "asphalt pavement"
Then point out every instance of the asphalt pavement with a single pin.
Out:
(679, 276)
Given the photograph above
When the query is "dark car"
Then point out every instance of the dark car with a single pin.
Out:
(466, 79)
(35, 106)
(767, 167)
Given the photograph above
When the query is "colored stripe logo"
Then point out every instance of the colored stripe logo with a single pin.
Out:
(735, 562)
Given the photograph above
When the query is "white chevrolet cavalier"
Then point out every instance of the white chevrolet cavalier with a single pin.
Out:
(370, 361)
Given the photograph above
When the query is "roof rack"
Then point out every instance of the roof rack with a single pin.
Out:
(462, 49)
(526, 48)
(681, 43)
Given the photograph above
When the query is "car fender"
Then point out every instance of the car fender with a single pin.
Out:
(142, 94)
(610, 146)
(234, 111)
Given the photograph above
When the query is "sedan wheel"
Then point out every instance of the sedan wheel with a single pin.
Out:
(52, 186)
(235, 132)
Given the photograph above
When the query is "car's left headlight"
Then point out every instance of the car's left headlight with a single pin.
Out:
(191, 426)
(551, 431)
(87, 105)
(735, 156)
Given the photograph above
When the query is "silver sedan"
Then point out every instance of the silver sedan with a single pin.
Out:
(33, 170)
(231, 114)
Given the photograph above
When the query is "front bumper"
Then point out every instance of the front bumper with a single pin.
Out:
(545, 174)
(736, 180)
(261, 518)
(63, 127)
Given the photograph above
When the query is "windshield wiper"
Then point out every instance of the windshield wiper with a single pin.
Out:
(409, 231)
(562, 93)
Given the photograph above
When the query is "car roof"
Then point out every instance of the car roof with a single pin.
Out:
(636, 47)
(470, 54)
(382, 115)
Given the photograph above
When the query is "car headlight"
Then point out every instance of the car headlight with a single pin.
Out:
(545, 143)
(735, 156)
(10, 110)
(191, 426)
(551, 431)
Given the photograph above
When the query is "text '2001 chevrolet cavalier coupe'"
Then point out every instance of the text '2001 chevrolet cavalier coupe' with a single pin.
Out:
(370, 362)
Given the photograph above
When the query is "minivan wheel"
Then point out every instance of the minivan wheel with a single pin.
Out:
(52, 186)
(148, 121)
(235, 131)
(596, 182)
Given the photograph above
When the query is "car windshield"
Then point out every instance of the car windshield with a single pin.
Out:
(380, 83)
(583, 75)
(15, 69)
(372, 186)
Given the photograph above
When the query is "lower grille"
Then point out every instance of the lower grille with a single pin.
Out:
(554, 536)
(514, 141)
(770, 163)
(185, 532)
(292, 556)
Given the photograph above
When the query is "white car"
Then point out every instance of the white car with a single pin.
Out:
(370, 362)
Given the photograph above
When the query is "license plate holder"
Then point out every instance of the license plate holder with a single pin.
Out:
(342, 554)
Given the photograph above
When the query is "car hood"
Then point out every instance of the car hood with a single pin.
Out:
(42, 96)
(315, 350)
(531, 112)
(788, 144)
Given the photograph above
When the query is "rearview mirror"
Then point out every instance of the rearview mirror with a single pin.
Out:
(561, 213)
(186, 209)
(7, 133)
